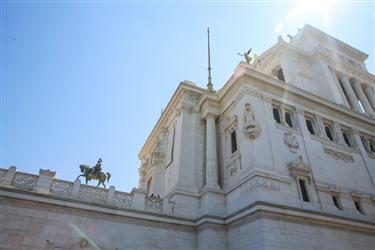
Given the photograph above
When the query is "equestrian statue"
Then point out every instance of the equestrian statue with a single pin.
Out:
(94, 173)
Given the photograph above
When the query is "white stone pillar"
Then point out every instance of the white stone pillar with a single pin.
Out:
(362, 97)
(350, 93)
(9, 176)
(212, 176)
(371, 96)
(320, 127)
(111, 194)
(76, 188)
(44, 181)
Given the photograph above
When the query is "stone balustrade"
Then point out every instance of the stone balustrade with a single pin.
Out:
(45, 183)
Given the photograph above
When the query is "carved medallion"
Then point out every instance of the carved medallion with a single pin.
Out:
(291, 142)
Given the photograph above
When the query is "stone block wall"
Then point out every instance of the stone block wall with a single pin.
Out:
(36, 225)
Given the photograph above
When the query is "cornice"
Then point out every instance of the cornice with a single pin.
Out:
(309, 31)
(250, 72)
(349, 70)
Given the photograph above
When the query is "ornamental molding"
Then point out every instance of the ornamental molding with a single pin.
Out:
(339, 155)
(356, 194)
(298, 168)
(260, 183)
(291, 142)
(333, 189)
(234, 165)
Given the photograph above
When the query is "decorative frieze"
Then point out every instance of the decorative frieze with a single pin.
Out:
(153, 203)
(291, 142)
(25, 181)
(60, 187)
(93, 193)
(339, 155)
(260, 183)
(122, 199)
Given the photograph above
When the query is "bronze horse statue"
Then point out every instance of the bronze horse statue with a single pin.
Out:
(91, 173)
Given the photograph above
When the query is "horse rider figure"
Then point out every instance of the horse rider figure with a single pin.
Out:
(97, 168)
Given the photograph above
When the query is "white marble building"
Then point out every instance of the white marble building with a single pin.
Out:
(281, 157)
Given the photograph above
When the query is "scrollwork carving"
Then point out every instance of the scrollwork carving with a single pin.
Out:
(23, 180)
(153, 203)
(61, 187)
(123, 199)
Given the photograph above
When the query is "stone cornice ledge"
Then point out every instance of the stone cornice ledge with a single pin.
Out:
(315, 216)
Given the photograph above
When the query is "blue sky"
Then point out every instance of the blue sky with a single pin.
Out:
(87, 79)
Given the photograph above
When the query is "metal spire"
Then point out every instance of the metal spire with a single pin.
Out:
(209, 84)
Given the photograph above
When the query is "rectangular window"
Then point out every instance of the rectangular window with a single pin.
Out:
(372, 146)
(233, 140)
(310, 126)
(276, 115)
(328, 130)
(303, 188)
(280, 75)
(346, 137)
(337, 202)
(364, 142)
(358, 206)
(288, 119)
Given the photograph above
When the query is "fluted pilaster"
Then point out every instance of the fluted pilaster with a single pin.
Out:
(212, 176)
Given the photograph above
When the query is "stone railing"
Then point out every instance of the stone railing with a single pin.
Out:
(45, 183)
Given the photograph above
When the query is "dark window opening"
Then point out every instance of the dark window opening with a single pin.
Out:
(310, 126)
(363, 140)
(358, 206)
(302, 185)
(288, 119)
(346, 138)
(336, 202)
(280, 75)
(372, 146)
(276, 115)
(328, 132)
(233, 141)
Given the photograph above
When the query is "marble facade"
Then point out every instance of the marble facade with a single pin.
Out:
(281, 157)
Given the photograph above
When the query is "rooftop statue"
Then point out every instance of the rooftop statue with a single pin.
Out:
(248, 57)
(94, 173)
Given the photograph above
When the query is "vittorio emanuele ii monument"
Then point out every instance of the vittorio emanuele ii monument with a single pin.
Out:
(281, 157)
